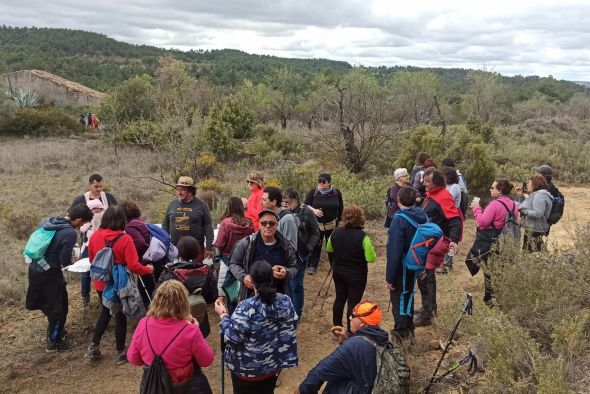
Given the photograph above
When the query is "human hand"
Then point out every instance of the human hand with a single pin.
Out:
(390, 287)
(220, 307)
(220, 299)
(340, 332)
(453, 249)
(209, 254)
(192, 320)
(279, 272)
(318, 212)
(151, 268)
(248, 282)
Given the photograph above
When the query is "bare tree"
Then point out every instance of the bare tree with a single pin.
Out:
(486, 93)
(284, 90)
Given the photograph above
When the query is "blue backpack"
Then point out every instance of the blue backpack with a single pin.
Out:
(425, 237)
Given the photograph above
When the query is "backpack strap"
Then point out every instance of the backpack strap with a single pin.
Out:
(409, 219)
(110, 244)
(169, 343)
(506, 207)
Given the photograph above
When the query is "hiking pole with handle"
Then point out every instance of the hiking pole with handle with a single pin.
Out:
(322, 287)
(326, 292)
(145, 289)
(467, 309)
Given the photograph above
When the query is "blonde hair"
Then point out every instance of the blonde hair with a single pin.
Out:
(257, 177)
(170, 300)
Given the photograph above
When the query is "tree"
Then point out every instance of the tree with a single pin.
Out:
(414, 96)
(284, 89)
(312, 108)
(128, 102)
(486, 94)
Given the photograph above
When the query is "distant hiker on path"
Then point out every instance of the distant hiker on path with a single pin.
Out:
(189, 215)
(82, 120)
(47, 290)
(253, 204)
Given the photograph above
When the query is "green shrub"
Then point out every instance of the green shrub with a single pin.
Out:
(218, 136)
(151, 135)
(39, 122)
(19, 224)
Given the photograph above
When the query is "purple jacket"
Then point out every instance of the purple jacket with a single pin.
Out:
(137, 229)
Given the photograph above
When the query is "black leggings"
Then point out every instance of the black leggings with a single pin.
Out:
(349, 290)
(103, 323)
(266, 386)
(533, 241)
(316, 253)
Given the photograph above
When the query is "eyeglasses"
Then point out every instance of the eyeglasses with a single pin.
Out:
(249, 182)
(268, 224)
(368, 313)
(322, 181)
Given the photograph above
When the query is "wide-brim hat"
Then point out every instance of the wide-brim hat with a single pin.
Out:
(185, 181)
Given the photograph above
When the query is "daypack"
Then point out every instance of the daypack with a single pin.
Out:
(300, 228)
(37, 245)
(198, 305)
(156, 379)
(424, 239)
(511, 227)
(393, 373)
(464, 206)
(557, 208)
(101, 266)
(160, 245)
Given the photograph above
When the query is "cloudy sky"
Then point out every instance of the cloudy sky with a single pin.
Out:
(537, 37)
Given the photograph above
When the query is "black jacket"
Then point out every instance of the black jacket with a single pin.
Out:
(330, 203)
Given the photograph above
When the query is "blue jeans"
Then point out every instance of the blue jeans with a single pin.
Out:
(296, 288)
(85, 278)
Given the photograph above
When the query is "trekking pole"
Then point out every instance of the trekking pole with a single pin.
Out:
(326, 293)
(470, 359)
(222, 343)
(467, 309)
(321, 287)
(145, 289)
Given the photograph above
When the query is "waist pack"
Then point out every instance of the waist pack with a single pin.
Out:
(101, 266)
(160, 245)
(393, 373)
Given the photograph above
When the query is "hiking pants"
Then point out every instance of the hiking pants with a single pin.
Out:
(296, 291)
(427, 286)
(56, 322)
(266, 386)
(403, 325)
(533, 241)
(85, 278)
(314, 257)
(103, 323)
(350, 288)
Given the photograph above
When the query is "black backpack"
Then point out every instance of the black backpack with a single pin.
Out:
(156, 379)
(556, 208)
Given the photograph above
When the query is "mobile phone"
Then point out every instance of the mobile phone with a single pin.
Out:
(475, 200)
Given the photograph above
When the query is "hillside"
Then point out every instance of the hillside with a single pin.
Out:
(100, 62)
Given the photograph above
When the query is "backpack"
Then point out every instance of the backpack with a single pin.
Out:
(101, 266)
(160, 245)
(301, 227)
(37, 245)
(464, 205)
(198, 305)
(156, 379)
(511, 227)
(556, 208)
(393, 373)
(424, 239)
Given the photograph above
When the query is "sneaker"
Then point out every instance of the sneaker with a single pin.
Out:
(421, 321)
(85, 302)
(51, 346)
(442, 270)
(93, 353)
(64, 345)
(311, 270)
(121, 358)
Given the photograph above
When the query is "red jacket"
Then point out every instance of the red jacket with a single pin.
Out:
(254, 206)
(230, 233)
(124, 252)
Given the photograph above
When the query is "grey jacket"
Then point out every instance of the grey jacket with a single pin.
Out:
(536, 209)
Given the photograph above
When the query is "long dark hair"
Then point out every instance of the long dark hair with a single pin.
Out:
(114, 219)
(235, 210)
(261, 274)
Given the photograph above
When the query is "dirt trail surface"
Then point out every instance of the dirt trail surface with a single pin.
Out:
(26, 368)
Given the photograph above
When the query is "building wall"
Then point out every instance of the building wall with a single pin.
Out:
(62, 95)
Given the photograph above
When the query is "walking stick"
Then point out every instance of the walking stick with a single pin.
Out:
(321, 287)
(145, 289)
(467, 309)
(326, 293)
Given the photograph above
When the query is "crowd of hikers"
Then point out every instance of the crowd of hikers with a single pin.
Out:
(252, 268)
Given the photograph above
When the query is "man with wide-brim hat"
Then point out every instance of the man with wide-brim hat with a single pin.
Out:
(189, 215)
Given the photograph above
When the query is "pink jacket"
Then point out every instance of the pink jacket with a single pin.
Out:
(494, 213)
(189, 346)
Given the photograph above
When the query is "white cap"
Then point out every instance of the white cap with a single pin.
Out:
(397, 174)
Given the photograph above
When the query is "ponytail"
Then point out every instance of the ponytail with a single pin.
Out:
(262, 276)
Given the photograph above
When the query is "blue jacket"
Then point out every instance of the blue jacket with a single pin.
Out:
(351, 368)
(59, 252)
(399, 240)
(260, 339)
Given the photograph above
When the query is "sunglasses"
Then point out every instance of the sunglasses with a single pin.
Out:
(269, 224)
(322, 181)
(368, 313)
(250, 182)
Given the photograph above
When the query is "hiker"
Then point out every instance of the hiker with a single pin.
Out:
(558, 198)
(401, 177)
(399, 240)
(259, 336)
(137, 229)
(112, 230)
(352, 250)
(535, 210)
(169, 331)
(418, 180)
(421, 157)
(490, 222)
(82, 120)
(95, 185)
(89, 120)
(189, 215)
(266, 244)
(47, 290)
(253, 204)
(326, 203)
(234, 226)
(452, 181)
(462, 182)
(441, 210)
(309, 235)
(193, 274)
(352, 367)
(89, 228)
(272, 199)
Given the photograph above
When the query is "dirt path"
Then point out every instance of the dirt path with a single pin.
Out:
(26, 368)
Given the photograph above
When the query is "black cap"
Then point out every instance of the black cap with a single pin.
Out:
(544, 170)
(267, 211)
(325, 177)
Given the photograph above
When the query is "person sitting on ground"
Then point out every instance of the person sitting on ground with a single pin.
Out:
(253, 205)
(193, 274)
(171, 332)
(352, 367)
(535, 210)
(353, 251)
(260, 335)
(399, 240)
(47, 290)
(401, 178)
(112, 230)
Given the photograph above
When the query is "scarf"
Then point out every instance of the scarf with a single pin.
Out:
(324, 192)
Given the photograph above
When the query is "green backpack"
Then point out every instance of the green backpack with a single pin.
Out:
(37, 245)
(393, 373)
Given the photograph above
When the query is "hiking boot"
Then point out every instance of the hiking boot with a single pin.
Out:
(85, 302)
(311, 270)
(443, 270)
(93, 353)
(64, 345)
(421, 321)
(121, 358)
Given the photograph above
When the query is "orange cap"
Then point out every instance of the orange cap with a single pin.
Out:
(368, 312)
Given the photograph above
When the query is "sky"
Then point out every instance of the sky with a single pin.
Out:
(537, 37)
